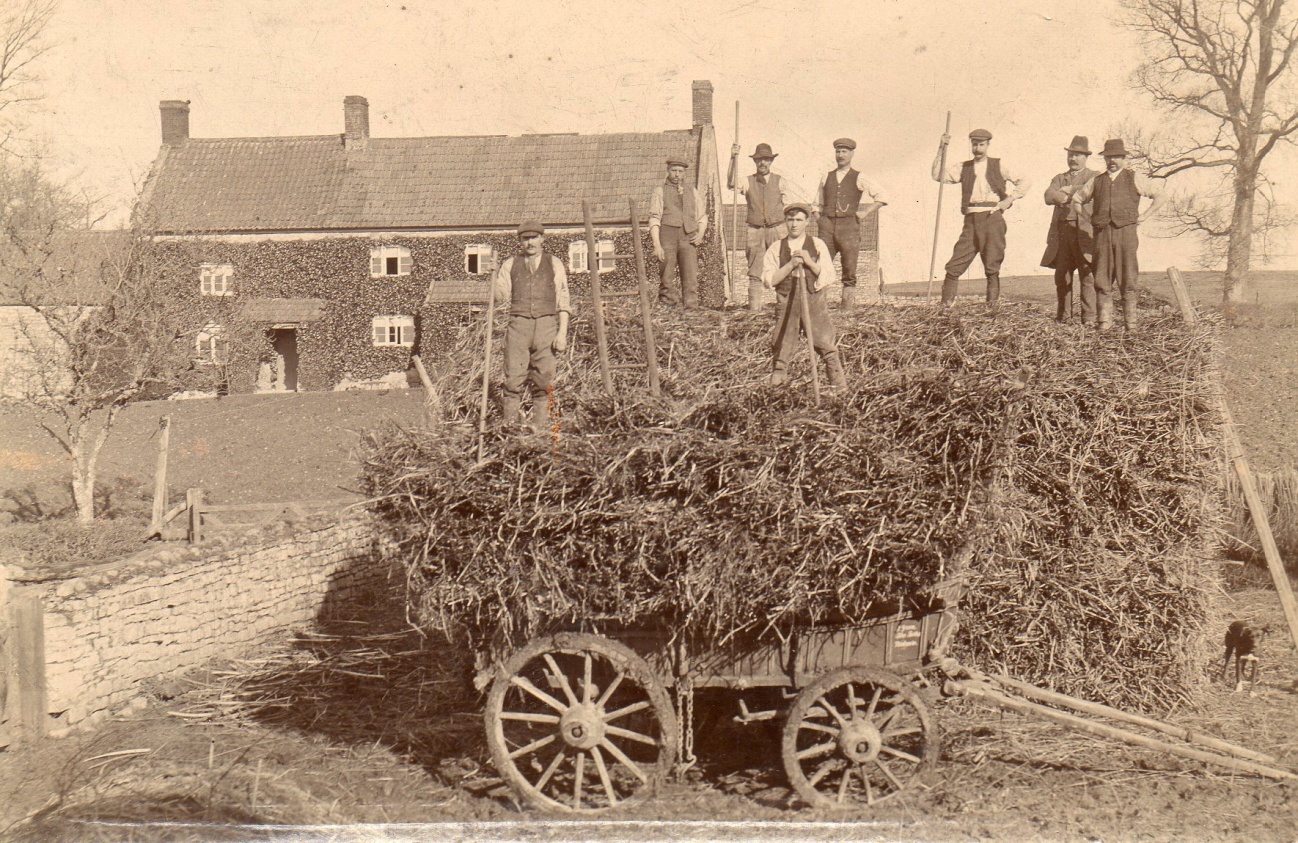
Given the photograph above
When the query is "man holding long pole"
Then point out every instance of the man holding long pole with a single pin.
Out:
(765, 194)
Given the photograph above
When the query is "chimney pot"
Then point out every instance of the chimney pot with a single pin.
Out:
(175, 121)
(356, 121)
(702, 103)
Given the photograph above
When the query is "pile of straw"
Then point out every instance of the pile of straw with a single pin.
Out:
(1278, 491)
(1071, 480)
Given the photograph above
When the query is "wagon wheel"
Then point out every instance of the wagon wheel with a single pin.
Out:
(577, 722)
(856, 736)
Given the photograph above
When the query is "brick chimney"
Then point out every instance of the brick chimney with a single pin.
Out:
(175, 121)
(702, 103)
(356, 121)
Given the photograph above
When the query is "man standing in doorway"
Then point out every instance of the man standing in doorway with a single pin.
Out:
(1115, 216)
(987, 190)
(1070, 244)
(844, 200)
(677, 223)
(765, 194)
(535, 286)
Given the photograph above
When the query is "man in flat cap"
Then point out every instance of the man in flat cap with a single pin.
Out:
(800, 258)
(765, 194)
(987, 190)
(844, 200)
(535, 286)
(1069, 244)
(677, 223)
(1115, 215)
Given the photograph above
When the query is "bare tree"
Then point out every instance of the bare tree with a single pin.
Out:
(22, 42)
(1222, 67)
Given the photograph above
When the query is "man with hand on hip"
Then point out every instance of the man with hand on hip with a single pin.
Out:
(844, 200)
(677, 223)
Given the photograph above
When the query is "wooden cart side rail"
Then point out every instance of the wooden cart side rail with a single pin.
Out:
(195, 518)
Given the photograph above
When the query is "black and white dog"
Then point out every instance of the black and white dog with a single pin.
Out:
(1242, 642)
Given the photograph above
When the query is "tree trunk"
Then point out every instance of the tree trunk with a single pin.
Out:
(83, 484)
(1239, 250)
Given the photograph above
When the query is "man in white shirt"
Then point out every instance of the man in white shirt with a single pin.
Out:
(987, 190)
(845, 198)
(766, 195)
(677, 223)
(801, 259)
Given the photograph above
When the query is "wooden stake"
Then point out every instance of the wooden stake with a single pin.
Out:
(799, 278)
(646, 306)
(160, 478)
(486, 362)
(734, 207)
(194, 503)
(937, 224)
(592, 264)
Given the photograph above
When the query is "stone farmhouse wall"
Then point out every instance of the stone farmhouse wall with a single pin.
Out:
(167, 610)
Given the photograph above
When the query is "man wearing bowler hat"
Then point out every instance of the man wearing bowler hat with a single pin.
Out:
(677, 223)
(1115, 216)
(765, 194)
(844, 200)
(1069, 244)
(987, 190)
(535, 285)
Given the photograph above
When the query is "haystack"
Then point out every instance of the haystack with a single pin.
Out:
(1071, 483)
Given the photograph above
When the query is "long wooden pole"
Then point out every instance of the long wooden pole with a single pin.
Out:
(1235, 453)
(734, 211)
(596, 293)
(799, 278)
(486, 363)
(160, 478)
(937, 223)
(646, 307)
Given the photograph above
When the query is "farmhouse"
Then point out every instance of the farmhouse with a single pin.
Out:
(350, 253)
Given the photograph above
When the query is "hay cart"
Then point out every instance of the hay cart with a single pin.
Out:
(579, 721)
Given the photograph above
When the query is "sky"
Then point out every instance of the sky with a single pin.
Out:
(804, 72)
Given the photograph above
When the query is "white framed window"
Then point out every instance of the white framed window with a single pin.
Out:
(577, 257)
(211, 346)
(479, 259)
(214, 279)
(389, 260)
(394, 330)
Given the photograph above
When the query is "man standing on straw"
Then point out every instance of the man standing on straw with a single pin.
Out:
(677, 223)
(844, 200)
(1115, 215)
(1070, 244)
(535, 285)
(801, 259)
(987, 190)
(764, 191)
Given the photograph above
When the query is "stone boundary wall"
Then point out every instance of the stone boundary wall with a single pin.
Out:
(170, 609)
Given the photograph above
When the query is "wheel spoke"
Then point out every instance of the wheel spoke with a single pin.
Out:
(577, 781)
(629, 735)
(818, 727)
(874, 701)
(832, 711)
(905, 730)
(527, 717)
(532, 747)
(899, 754)
(865, 780)
(851, 700)
(895, 781)
(630, 709)
(603, 775)
(626, 762)
(608, 692)
(886, 718)
(562, 678)
(822, 771)
(815, 751)
(526, 684)
(842, 785)
(549, 771)
(585, 687)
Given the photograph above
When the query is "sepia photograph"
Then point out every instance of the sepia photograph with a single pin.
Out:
(588, 421)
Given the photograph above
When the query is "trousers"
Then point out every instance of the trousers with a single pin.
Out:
(680, 253)
(843, 237)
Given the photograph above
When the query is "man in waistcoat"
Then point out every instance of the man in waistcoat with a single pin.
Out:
(1070, 244)
(844, 200)
(1115, 216)
(987, 190)
(765, 194)
(801, 259)
(677, 223)
(535, 286)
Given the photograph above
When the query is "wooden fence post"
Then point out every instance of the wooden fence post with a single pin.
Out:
(27, 698)
(160, 478)
(194, 501)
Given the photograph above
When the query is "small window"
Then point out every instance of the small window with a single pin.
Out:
(211, 346)
(389, 260)
(394, 330)
(214, 279)
(479, 259)
(577, 258)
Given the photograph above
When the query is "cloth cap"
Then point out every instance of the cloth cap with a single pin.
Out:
(845, 143)
(531, 227)
(763, 151)
(1080, 144)
(1114, 148)
(797, 206)
(676, 162)
(980, 134)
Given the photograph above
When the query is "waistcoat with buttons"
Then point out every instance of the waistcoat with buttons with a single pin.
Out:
(994, 179)
(1117, 202)
(837, 194)
(532, 293)
(764, 204)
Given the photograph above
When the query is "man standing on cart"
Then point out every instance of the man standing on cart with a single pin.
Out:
(801, 259)
(765, 195)
(844, 200)
(677, 223)
(535, 285)
(1070, 244)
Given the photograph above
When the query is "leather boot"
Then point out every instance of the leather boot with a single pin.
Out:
(1063, 302)
(834, 367)
(849, 298)
(1105, 315)
(779, 376)
(993, 289)
(1130, 318)
(509, 409)
(540, 421)
(756, 289)
(949, 288)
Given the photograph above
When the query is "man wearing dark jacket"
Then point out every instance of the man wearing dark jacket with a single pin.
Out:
(1070, 244)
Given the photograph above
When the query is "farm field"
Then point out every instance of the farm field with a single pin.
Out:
(366, 723)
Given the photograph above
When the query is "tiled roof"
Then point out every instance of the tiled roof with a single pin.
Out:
(457, 292)
(283, 310)
(318, 183)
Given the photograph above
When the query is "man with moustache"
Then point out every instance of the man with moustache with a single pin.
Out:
(764, 191)
(677, 223)
(845, 198)
(1115, 216)
(987, 190)
(1070, 245)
